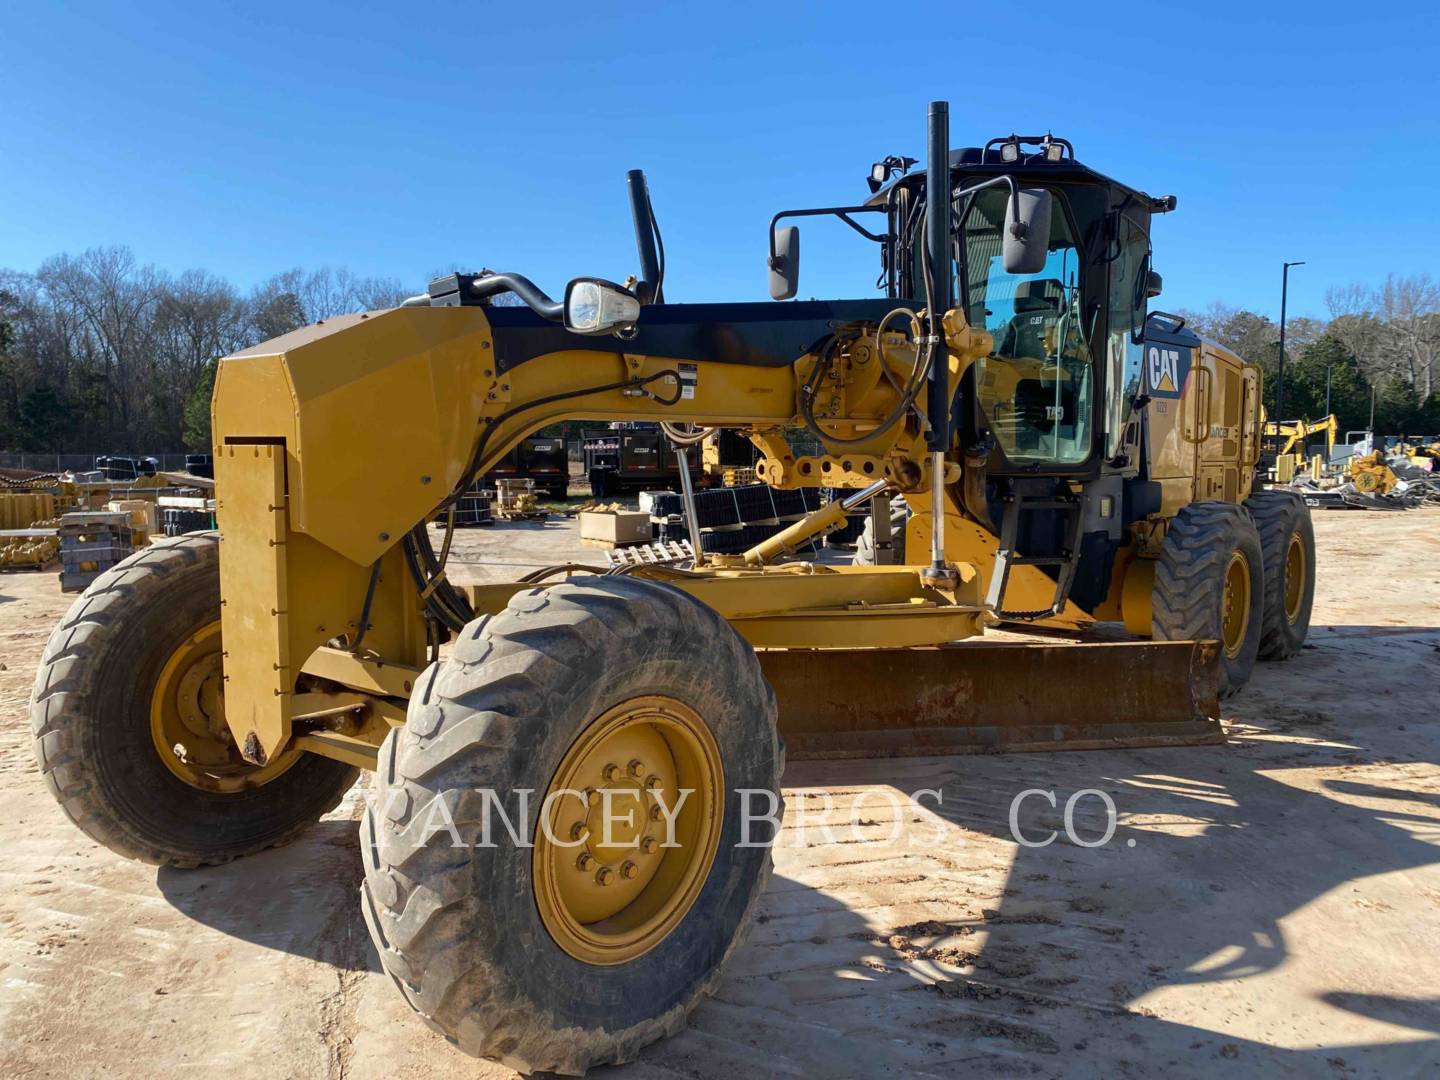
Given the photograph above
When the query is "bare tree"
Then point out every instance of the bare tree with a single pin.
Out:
(1393, 331)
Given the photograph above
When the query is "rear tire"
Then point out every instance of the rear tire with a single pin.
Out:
(1287, 545)
(91, 718)
(1210, 549)
(899, 519)
(467, 931)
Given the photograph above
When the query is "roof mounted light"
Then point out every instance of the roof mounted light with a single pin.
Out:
(1050, 148)
(882, 171)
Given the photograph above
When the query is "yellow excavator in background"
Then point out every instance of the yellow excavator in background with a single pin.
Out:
(1285, 444)
(577, 772)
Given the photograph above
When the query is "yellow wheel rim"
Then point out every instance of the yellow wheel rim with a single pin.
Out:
(1235, 606)
(1294, 578)
(607, 899)
(187, 721)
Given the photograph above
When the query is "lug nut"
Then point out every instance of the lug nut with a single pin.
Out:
(649, 845)
(611, 773)
(603, 875)
(653, 782)
(655, 814)
(584, 861)
(637, 769)
(578, 831)
(629, 870)
(592, 796)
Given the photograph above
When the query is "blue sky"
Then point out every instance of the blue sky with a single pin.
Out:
(397, 139)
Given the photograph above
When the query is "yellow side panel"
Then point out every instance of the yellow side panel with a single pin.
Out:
(250, 510)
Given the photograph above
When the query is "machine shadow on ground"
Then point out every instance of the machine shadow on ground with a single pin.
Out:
(302, 899)
(1013, 960)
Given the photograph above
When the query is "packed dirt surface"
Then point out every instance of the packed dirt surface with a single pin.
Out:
(1268, 907)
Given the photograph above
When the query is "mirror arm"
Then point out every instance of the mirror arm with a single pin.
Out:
(996, 181)
(837, 211)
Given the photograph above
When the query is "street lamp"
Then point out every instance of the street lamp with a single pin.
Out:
(1280, 379)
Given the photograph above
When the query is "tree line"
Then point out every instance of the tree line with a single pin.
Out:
(1377, 351)
(100, 353)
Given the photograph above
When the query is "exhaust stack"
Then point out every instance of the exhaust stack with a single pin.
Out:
(649, 288)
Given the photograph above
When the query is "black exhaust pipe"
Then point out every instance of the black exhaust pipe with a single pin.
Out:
(648, 288)
(937, 242)
(937, 248)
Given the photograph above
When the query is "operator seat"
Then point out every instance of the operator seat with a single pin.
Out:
(1037, 309)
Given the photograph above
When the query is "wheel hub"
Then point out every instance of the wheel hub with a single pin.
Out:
(613, 875)
(1235, 605)
(1294, 578)
(187, 721)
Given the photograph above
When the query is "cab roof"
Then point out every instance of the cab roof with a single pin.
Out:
(982, 163)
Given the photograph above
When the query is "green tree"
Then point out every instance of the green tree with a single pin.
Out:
(1305, 384)
(197, 411)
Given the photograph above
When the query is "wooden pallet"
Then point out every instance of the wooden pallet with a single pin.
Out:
(656, 553)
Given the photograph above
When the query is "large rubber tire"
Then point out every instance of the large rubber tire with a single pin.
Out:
(899, 519)
(1190, 575)
(90, 718)
(1283, 519)
(459, 929)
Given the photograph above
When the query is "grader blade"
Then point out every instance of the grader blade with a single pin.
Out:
(994, 697)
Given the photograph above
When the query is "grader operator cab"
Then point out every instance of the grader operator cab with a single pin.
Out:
(572, 803)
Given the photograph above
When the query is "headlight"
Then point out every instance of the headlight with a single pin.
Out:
(595, 306)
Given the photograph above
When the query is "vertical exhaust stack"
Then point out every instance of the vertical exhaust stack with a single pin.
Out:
(937, 246)
(649, 286)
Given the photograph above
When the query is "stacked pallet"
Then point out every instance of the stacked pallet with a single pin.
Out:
(181, 514)
(92, 542)
(179, 520)
(473, 508)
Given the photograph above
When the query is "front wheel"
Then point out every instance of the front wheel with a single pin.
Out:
(568, 837)
(128, 716)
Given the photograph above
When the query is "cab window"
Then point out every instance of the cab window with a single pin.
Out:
(1123, 346)
(1036, 385)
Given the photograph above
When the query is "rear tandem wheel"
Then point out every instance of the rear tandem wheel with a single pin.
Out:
(1209, 585)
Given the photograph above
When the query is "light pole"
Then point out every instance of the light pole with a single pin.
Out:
(1280, 380)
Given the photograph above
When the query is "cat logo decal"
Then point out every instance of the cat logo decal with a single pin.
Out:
(1163, 368)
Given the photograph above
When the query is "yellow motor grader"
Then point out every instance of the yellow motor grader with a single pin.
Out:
(577, 773)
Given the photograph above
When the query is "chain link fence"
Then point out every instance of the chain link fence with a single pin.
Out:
(47, 463)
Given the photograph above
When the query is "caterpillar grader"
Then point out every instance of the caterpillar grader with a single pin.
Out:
(576, 774)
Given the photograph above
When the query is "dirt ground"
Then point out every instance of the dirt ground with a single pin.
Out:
(1271, 906)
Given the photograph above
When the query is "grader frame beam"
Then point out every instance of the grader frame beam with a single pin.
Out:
(333, 442)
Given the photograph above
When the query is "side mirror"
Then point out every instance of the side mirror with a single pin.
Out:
(597, 306)
(1154, 285)
(785, 263)
(1027, 231)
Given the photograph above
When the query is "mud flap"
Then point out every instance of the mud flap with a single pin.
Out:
(994, 697)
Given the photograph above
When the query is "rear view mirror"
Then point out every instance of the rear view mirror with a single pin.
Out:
(785, 263)
(1154, 286)
(1027, 231)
